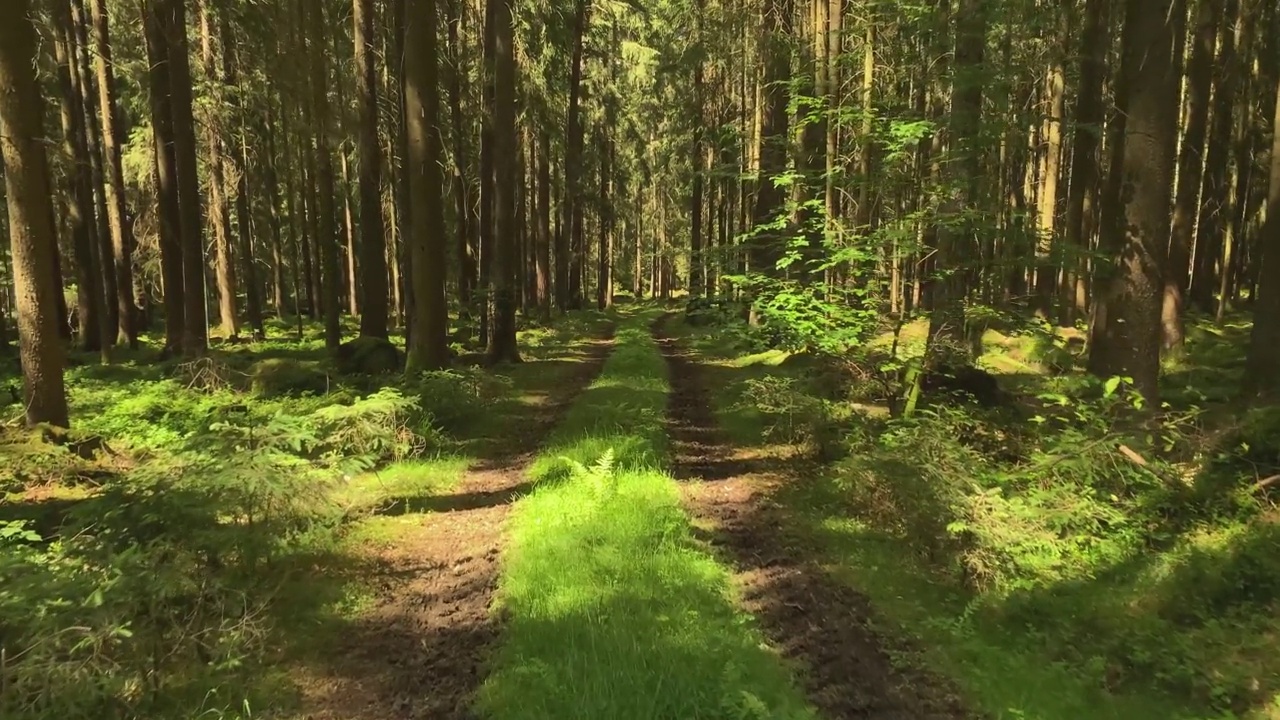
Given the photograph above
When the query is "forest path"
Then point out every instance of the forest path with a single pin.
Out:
(847, 668)
(420, 650)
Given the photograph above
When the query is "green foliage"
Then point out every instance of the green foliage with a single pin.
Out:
(612, 610)
(458, 397)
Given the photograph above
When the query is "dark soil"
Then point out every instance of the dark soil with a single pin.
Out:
(849, 669)
(420, 651)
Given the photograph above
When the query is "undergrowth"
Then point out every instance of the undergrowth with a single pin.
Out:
(612, 610)
(161, 560)
(1135, 562)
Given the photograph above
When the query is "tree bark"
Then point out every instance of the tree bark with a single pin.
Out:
(1262, 369)
(121, 237)
(1082, 196)
(427, 337)
(571, 297)
(85, 82)
(1190, 171)
(166, 179)
(1211, 229)
(195, 324)
(90, 305)
(506, 258)
(542, 256)
(373, 244)
(32, 236)
(462, 187)
(1126, 340)
(326, 238)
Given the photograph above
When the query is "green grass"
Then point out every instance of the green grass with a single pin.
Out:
(165, 571)
(612, 608)
(1054, 653)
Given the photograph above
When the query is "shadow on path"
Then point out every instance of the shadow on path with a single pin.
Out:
(420, 650)
(849, 669)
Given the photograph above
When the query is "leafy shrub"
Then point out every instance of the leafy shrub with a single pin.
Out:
(156, 591)
(792, 415)
(383, 426)
(458, 396)
(282, 376)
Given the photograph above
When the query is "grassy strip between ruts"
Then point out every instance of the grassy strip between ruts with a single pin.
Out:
(612, 609)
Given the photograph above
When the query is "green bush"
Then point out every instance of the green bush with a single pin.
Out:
(458, 396)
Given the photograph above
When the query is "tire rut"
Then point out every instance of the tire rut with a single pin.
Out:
(421, 650)
(848, 669)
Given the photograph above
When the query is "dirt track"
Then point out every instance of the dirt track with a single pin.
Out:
(420, 651)
(823, 625)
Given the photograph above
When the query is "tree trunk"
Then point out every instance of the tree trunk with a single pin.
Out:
(1126, 340)
(542, 256)
(604, 260)
(244, 246)
(90, 306)
(121, 238)
(373, 244)
(352, 288)
(1190, 171)
(506, 258)
(571, 298)
(1211, 230)
(1082, 197)
(32, 236)
(326, 238)
(428, 348)
(85, 82)
(165, 173)
(1262, 370)
(195, 324)
(766, 248)
(1055, 100)
(461, 179)
(220, 216)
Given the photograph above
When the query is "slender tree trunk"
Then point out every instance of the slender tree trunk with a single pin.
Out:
(1055, 81)
(326, 236)
(427, 337)
(32, 236)
(121, 238)
(84, 81)
(1190, 171)
(542, 257)
(244, 231)
(165, 172)
(604, 260)
(90, 307)
(1211, 229)
(461, 180)
(506, 259)
(220, 216)
(195, 324)
(1082, 197)
(352, 290)
(766, 249)
(572, 298)
(1262, 375)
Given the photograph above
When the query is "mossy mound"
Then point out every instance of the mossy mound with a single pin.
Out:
(284, 376)
(368, 356)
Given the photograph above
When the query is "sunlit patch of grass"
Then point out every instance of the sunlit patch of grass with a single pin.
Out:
(612, 609)
(407, 483)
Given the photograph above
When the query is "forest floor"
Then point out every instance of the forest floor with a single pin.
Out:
(419, 649)
(649, 518)
(850, 669)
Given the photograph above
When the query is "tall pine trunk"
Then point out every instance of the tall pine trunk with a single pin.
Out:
(32, 236)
